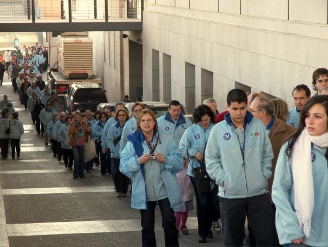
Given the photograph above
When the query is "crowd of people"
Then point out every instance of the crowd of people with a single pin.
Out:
(256, 160)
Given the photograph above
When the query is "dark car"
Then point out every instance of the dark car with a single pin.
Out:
(84, 96)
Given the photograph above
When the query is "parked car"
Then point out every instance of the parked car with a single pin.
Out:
(159, 108)
(84, 96)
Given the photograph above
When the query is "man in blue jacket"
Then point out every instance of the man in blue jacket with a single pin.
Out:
(173, 123)
(238, 157)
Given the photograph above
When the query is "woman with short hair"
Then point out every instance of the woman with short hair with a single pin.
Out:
(15, 135)
(152, 160)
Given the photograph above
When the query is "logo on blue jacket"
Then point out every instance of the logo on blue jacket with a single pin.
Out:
(313, 157)
(226, 136)
(167, 128)
(133, 128)
(116, 132)
(197, 136)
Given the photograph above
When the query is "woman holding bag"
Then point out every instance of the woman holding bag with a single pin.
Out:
(113, 142)
(192, 145)
(78, 132)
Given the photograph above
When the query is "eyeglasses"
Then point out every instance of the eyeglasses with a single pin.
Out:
(252, 111)
(138, 110)
(121, 115)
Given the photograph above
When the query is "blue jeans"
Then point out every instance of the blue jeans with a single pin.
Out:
(78, 153)
(206, 206)
(168, 223)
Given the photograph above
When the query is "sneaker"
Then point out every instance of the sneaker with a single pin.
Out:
(202, 239)
(216, 227)
(184, 230)
(210, 235)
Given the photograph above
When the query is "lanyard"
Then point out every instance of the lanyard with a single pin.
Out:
(152, 148)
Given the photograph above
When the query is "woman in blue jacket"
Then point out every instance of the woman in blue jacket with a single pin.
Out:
(300, 186)
(192, 146)
(16, 132)
(97, 130)
(113, 142)
(66, 149)
(152, 160)
(131, 125)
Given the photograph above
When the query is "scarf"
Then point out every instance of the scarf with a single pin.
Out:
(303, 177)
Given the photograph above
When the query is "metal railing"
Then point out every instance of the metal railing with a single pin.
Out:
(41, 11)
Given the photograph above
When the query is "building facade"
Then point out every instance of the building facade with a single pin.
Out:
(191, 50)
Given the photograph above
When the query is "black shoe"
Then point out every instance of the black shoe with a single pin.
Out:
(103, 174)
(210, 235)
(75, 177)
(82, 176)
(202, 240)
(87, 171)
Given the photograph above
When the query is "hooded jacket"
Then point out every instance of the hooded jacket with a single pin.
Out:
(173, 128)
(130, 166)
(193, 140)
(242, 177)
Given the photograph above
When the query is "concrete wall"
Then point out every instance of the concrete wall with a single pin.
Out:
(259, 48)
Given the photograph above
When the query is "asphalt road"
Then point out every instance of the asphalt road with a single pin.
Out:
(41, 205)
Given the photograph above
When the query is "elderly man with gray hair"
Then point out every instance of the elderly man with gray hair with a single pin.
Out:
(211, 103)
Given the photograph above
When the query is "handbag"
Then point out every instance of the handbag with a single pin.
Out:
(90, 150)
(7, 131)
(203, 181)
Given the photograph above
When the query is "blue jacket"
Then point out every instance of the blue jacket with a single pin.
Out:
(294, 117)
(224, 160)
(130, 166)
(114, 132)
(97, 130)
(173, 128)
(193, 140)
(49, 128)
(4, 124)
(62, 136)
(35, 89)
(31, 102)
(46, 116)
(45, 96)
(287, 223)
(55, 129)
(129, 128)
(104, 134)
(16, 129)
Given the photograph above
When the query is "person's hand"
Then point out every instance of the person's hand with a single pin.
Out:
(198, 156)
(104, 150)
(145, 158)
(160, 158)
(298, 241)
(185, 162)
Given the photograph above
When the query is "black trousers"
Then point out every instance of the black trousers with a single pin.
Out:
(259, 215)
(54, 146)
(120, 180)
(168, 223)
(1, 79)
(59, 151)
(68, 156)
(4, 147)
(15, 145)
